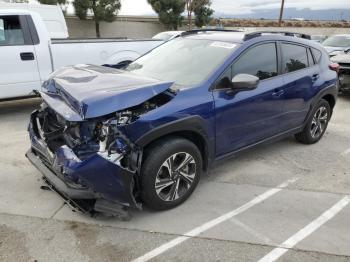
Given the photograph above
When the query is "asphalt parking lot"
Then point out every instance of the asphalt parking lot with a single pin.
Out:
(284, 201)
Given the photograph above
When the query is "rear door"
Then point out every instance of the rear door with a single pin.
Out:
(250, 116)
(301, 78)
(18, 66)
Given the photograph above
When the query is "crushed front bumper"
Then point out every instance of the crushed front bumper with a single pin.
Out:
(95, 184)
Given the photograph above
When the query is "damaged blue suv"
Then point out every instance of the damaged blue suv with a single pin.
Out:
(108, 139)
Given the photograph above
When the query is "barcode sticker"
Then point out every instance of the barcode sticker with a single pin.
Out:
(223, 45)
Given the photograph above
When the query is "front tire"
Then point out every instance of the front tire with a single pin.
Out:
(316, 125)
(170, 172)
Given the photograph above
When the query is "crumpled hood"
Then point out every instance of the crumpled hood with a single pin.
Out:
(93, 91)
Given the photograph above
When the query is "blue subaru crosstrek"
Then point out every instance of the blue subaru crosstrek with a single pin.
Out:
(108, 139)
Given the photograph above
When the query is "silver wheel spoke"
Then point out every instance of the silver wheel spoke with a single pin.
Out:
(160, 185)
(313, 122)
(187, 160)
(323, 118)
(169, 164)
(314, 130)
(188, 178)
(174, 191)
(322, 110)
(320, 128)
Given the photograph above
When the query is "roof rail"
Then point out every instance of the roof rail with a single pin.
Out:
(196, 31)
(285, 33)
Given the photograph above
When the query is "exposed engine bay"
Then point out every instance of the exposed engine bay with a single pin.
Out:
(94, 159)
(82, 136)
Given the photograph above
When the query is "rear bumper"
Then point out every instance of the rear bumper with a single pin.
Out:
(90, 180)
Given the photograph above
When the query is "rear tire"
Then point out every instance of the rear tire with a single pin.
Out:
(316, 125)
(170, 172)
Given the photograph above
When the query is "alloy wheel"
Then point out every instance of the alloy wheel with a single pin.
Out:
(319, 122)
(175, 176)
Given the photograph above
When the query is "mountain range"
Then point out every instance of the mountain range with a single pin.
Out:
(290, 13)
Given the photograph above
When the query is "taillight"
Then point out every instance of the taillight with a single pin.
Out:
(334, 67)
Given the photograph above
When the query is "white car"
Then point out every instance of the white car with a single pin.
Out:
(32, 46)
(337, 44)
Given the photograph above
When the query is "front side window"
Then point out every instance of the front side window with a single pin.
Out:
(186, 61)
(11, 32)
(260, 61)
(294, 57)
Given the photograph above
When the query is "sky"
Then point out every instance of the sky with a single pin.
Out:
(236, 7)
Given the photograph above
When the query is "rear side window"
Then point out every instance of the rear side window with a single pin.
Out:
(310, 58)
(317, 55)
(11, 32)
(260, 61)
(294, 57)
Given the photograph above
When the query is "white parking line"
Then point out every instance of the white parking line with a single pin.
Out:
(208, 225)
(306, 231)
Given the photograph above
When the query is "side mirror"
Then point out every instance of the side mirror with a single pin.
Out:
(346, 51)
(244, 82)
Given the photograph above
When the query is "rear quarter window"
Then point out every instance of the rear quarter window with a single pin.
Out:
(317, 55)
(294, 57)
(310, 58)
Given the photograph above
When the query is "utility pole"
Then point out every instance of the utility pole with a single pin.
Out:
(281, 14)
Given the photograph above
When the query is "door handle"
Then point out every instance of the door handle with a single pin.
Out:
(278, 92)
(315, 77)
(27, 56)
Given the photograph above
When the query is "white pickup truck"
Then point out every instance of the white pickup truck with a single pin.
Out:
(30, 48)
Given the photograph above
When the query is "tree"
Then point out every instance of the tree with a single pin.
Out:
(203, 15)
(197, 6)
(102, 10)
(169, 12)
(52, 2)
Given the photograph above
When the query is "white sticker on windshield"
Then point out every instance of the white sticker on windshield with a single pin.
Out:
(223, 45)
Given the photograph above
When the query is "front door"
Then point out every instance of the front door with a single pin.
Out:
(247, 117)
(18, 66)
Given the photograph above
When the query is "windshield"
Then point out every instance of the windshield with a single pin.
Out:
(337, 41)
(183, 60)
